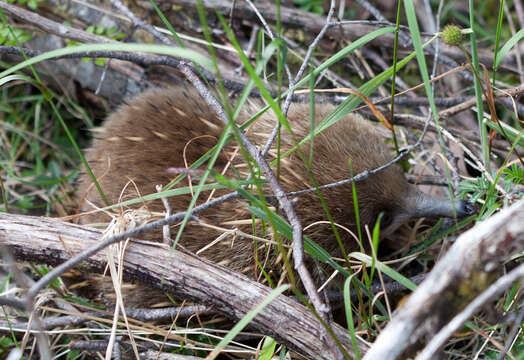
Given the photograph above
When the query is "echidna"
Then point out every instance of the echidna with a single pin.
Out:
(173, 127)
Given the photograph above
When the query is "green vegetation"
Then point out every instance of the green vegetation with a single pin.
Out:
(42, 133)
(314, 6)
(111, 33)
(32, 4)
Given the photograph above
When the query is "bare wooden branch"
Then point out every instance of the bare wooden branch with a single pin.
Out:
(469, 267)
(52, 27)
(49, 241)
(454, 325)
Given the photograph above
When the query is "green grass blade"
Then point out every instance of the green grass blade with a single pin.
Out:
(385, 270)
(155, 49)
(478, 88)
(343, 53)
(497, 36)
(508, 129)
(507, 47)
(349, 317)
(268, 349)
(245, 321)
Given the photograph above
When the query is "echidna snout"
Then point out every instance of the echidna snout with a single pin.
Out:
(417, 204)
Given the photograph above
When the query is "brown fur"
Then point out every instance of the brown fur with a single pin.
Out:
(142, 139)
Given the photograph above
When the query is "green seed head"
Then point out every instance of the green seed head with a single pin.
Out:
(452, 35)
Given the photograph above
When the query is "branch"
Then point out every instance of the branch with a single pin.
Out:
(468, 268)
(454, 325)
(49, 241)
(52, 27)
